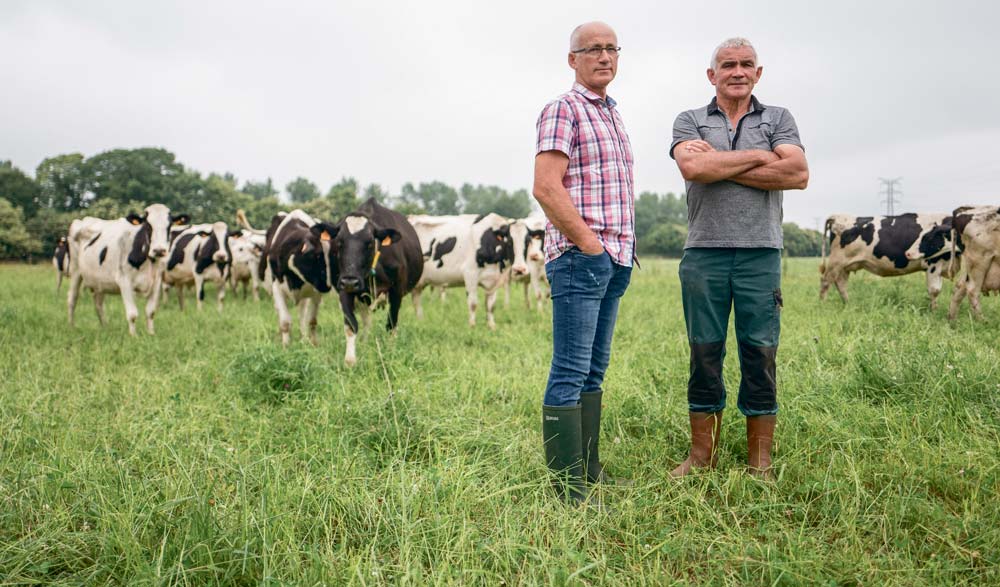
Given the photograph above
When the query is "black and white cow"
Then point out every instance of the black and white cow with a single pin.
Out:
(467, 250)
(123, 256)
(378, 253)
(531, 231)
(977, 232)
(199, 254)
(60, 260)
(883, 245)
(299, 256)
(257, 238)
(246, 249)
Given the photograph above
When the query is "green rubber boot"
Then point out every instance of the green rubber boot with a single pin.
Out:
(563, 455)
(590, 424)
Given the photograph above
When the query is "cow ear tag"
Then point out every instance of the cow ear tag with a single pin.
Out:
(325, 236)
(304, 247)
(135, 222)
(386, 241)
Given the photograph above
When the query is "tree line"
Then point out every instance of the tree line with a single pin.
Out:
(36, 211)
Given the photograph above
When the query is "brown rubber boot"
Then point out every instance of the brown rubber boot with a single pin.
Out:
(705, 429)
(760, 437)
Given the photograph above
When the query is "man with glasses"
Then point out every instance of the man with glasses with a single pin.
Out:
(736, 155)
(583, 182)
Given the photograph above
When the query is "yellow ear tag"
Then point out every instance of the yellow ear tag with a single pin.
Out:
(386, 241)
(325, 236)
(135, 222)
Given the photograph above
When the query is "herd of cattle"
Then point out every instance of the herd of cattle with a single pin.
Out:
(963, 245)
(373, 256)
(376, 255)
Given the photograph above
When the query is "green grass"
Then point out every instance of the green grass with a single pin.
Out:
(209, 455)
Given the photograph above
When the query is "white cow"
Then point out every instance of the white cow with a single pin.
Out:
(977, 229)
(467, 250)
(123, 256)
(531, 231)
(199, 254)
(246, 249)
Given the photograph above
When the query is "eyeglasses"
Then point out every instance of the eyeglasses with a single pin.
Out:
(596, 51)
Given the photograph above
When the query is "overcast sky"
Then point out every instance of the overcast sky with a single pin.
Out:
(390, 92)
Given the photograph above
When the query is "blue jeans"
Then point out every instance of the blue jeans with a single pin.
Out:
(585, 294)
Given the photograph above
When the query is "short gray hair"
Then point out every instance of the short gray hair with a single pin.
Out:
(733, 43)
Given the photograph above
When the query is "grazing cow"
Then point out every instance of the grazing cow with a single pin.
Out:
(881, 245)
(467, 250)
(60, 260)
(259, 238)
(198, 254)
(531, 231)
(246, 249)
(977, 230)
(378, 253)
(122, 256)
(299, 256)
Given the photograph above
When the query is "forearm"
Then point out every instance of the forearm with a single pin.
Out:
(713, 166)
(559, 209)
(785, 174)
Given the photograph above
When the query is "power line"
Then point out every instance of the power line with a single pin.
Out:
(890, 192)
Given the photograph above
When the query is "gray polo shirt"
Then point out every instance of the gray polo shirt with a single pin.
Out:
(725, 213)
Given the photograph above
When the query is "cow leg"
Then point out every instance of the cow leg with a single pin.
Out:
(284, 317)
(72, 296)
(841, 283)
(824, 285)
(308, 309)
(956, 298)
(471, 296)
(222, 294)
(491, 302)
(415, 295)
(395, 300)
(506, 294)
(99, 306)
(199, 290)
(153, 304)
(934, 283)
(366, 317)
(255, 284)
(350, 329)
(128, 300)
(442, 291)
(180, 297)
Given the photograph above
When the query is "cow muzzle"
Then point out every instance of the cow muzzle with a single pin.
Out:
(157, 252)
(913, 256)
(535, 257)
(350, 284)
(220, 258)
(519, 270)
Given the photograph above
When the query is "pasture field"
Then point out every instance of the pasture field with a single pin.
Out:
(207, 455)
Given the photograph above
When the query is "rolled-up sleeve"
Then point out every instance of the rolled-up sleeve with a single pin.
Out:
(685, 129)
(787, 132)
(555, 129)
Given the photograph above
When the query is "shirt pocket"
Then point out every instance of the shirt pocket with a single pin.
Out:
(756, 135)
(715, 133)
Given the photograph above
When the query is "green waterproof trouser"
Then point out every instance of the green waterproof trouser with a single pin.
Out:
(748, 281)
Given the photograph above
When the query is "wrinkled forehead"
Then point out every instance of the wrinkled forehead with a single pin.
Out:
(736, 54)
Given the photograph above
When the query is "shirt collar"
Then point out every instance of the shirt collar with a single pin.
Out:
(593, 97)
(755, 106)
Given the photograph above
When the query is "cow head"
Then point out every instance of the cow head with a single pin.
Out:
(934, 244)
(315, 259)
(520, 239)
(495, 247)
(243, 250)
(358, 242)
(153, 238)
(215, 248)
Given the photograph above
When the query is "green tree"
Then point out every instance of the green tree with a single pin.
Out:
(62, 181)
(375, 190)
(301, 190)
(666, 240)
(483, 199)
(145, 175)
(261, 211)
(260, 189)
(17, 188)
(48, 225)
(343, 198)
(15, 241)
(801, 242)
(435, 198)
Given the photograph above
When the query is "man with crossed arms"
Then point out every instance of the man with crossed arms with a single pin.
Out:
(736, 155)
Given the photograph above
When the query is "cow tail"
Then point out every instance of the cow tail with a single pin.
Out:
(827, 227)
(241, 219)
(951, 260)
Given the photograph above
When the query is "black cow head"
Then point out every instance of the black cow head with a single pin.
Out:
(316, 259)
(495, 246)
(357, 242)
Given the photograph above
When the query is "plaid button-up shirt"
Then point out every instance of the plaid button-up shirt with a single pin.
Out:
(599, 178)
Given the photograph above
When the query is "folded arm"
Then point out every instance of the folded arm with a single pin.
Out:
(552, 196)
(700, 162)
(789, 172)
